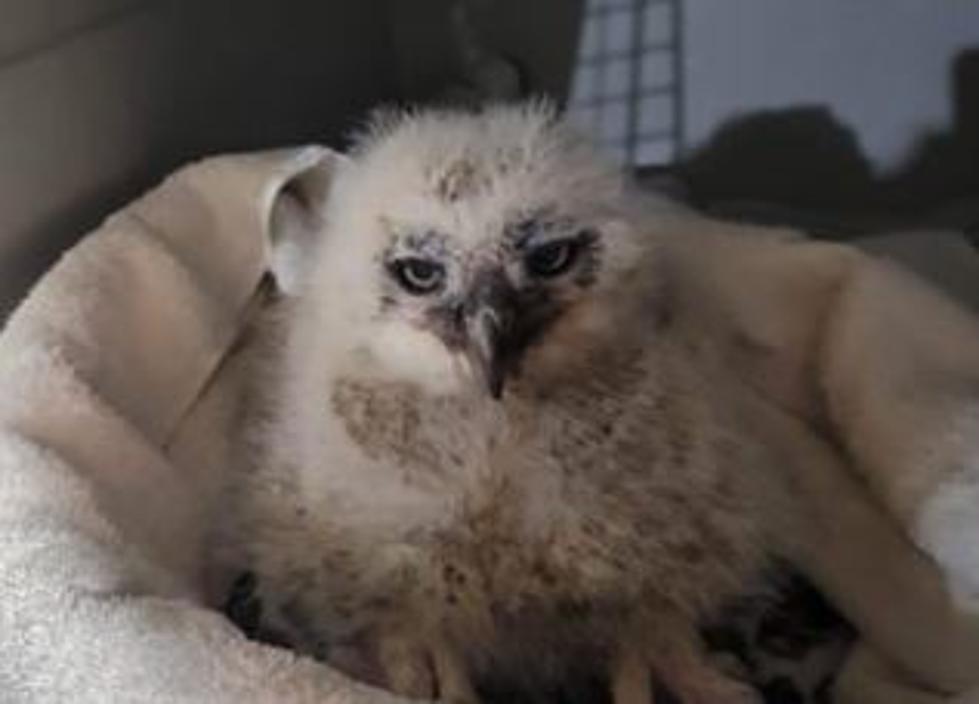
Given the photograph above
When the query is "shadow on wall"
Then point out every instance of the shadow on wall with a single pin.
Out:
(947, 165)
(803, 158)
(484, 49)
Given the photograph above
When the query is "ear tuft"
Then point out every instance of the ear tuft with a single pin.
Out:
(380, 123)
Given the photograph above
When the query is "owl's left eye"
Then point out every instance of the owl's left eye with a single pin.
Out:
(418, 276)
(552, 258)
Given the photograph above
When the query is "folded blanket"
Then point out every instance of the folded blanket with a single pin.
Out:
(120, 392)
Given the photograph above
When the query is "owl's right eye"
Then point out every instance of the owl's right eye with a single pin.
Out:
(418, 276)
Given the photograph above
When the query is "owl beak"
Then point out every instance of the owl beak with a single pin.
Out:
(489, 314)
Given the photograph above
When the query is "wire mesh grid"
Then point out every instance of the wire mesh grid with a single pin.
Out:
(626, 89)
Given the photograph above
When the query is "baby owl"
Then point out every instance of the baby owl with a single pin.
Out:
(494, 446)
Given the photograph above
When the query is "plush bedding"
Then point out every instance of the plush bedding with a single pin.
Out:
(117, 419)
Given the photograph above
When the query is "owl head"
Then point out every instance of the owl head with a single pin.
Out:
(475, 250)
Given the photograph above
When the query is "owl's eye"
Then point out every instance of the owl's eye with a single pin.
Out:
(418, 276)
(552, 258)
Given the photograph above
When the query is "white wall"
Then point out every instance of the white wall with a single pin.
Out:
(882, 66)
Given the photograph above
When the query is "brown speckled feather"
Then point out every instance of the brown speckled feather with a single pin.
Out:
(588, 519)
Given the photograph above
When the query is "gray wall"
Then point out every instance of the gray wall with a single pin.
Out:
(99, 98)
(540, 35)
(881, 66)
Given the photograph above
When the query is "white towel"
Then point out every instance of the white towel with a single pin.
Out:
(100, 528)
(865, 351)
(117, 406)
